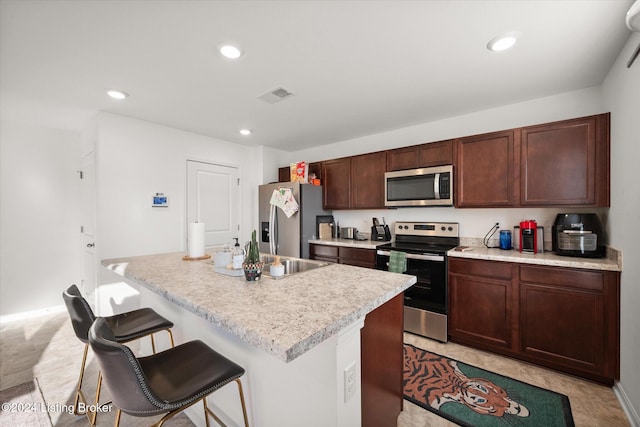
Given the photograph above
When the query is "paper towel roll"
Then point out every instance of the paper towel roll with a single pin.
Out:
(196, 239)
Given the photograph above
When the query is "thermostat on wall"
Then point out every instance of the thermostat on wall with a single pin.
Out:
(160, 201)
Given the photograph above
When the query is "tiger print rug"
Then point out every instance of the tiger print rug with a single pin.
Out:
(472, 397)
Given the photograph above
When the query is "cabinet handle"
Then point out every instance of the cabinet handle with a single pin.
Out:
(90, 245)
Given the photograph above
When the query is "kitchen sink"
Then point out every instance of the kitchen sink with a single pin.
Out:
(291, 265)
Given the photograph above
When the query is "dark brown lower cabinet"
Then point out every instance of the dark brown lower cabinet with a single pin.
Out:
(359, 257)
(323, 252)
(382, 361)
(566, 319)
(482, 301)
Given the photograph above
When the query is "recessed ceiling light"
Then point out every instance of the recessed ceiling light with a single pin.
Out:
(230, 51)
(503, 42)
(117, 94)
(245, 132)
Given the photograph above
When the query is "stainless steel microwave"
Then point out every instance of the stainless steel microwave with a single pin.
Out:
(419, 187)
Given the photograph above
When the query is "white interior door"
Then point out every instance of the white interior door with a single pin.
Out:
(213, 198)
(88, 227)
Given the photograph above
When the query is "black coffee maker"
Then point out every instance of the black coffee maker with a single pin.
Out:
(576, 234)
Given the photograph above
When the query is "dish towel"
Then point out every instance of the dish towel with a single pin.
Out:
(283, 198)
(397, 262)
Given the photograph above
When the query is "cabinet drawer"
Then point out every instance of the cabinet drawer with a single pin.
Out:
(489, 269)
(367, 256)
(324, 251)
(572, 278)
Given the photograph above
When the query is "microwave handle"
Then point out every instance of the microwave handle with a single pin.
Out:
(436, 186)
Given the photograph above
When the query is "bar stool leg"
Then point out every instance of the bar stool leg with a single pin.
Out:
(79, 386)
(117, 422)
(171, 337)
(207, 412)
(94, 416)
(244, 408)
(153, 342)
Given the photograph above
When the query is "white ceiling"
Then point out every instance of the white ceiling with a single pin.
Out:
(355, 67)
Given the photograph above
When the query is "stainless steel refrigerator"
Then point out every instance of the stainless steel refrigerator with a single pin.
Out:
(289, 236)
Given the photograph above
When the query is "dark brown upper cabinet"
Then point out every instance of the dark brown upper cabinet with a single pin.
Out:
(420, 156)
(485, 170)
(566, 163)
(367, 180)
(284, 174)
(336, 183)
(355, 182)
(563, 163)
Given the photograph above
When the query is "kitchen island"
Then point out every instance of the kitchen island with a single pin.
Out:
(297, 337)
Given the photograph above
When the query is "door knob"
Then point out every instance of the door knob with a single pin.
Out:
(90, 245)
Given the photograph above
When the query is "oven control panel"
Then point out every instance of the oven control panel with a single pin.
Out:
(430, 229)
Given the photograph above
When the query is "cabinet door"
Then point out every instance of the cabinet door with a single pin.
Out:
(336, 183)
(323, 252)
(562, 325)
(435, 154)
(358, 256)
(481, 303)
(402, 158)
(486, 170)
(562, 164)
(367, 180)
(284, 174)
(568, 319)
(420, 156)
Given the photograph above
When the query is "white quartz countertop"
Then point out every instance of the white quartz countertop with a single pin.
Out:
(613, 263)
(364, 244)
(284, 317)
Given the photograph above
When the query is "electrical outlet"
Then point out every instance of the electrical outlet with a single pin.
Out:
(349, 381)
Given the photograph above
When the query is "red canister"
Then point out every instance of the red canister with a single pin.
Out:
(528, 236)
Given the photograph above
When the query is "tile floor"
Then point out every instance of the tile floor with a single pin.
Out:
(46, 347)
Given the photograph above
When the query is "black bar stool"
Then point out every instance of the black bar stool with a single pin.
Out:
(164, 383)
(126, 327)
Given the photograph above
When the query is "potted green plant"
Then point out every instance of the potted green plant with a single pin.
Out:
(252, 265)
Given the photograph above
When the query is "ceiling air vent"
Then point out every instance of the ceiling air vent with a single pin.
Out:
(276, 95)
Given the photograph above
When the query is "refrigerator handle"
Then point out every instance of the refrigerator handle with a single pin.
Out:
(275, 229)
(271, 235)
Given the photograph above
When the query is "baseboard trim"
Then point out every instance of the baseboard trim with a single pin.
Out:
(29, 314)
(627, 407)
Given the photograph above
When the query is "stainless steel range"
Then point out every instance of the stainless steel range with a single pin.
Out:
(426, 245)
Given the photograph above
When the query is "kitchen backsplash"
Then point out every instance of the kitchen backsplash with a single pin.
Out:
(474, 223)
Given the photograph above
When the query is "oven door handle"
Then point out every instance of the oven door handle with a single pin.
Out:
(425, 257)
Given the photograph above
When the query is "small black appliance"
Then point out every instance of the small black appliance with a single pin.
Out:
(380, 232)
(578, 234)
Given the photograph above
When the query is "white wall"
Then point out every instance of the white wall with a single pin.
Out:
(271, 157)
(39, 216)
(136, 159)
(622, 98)
(473, 222)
